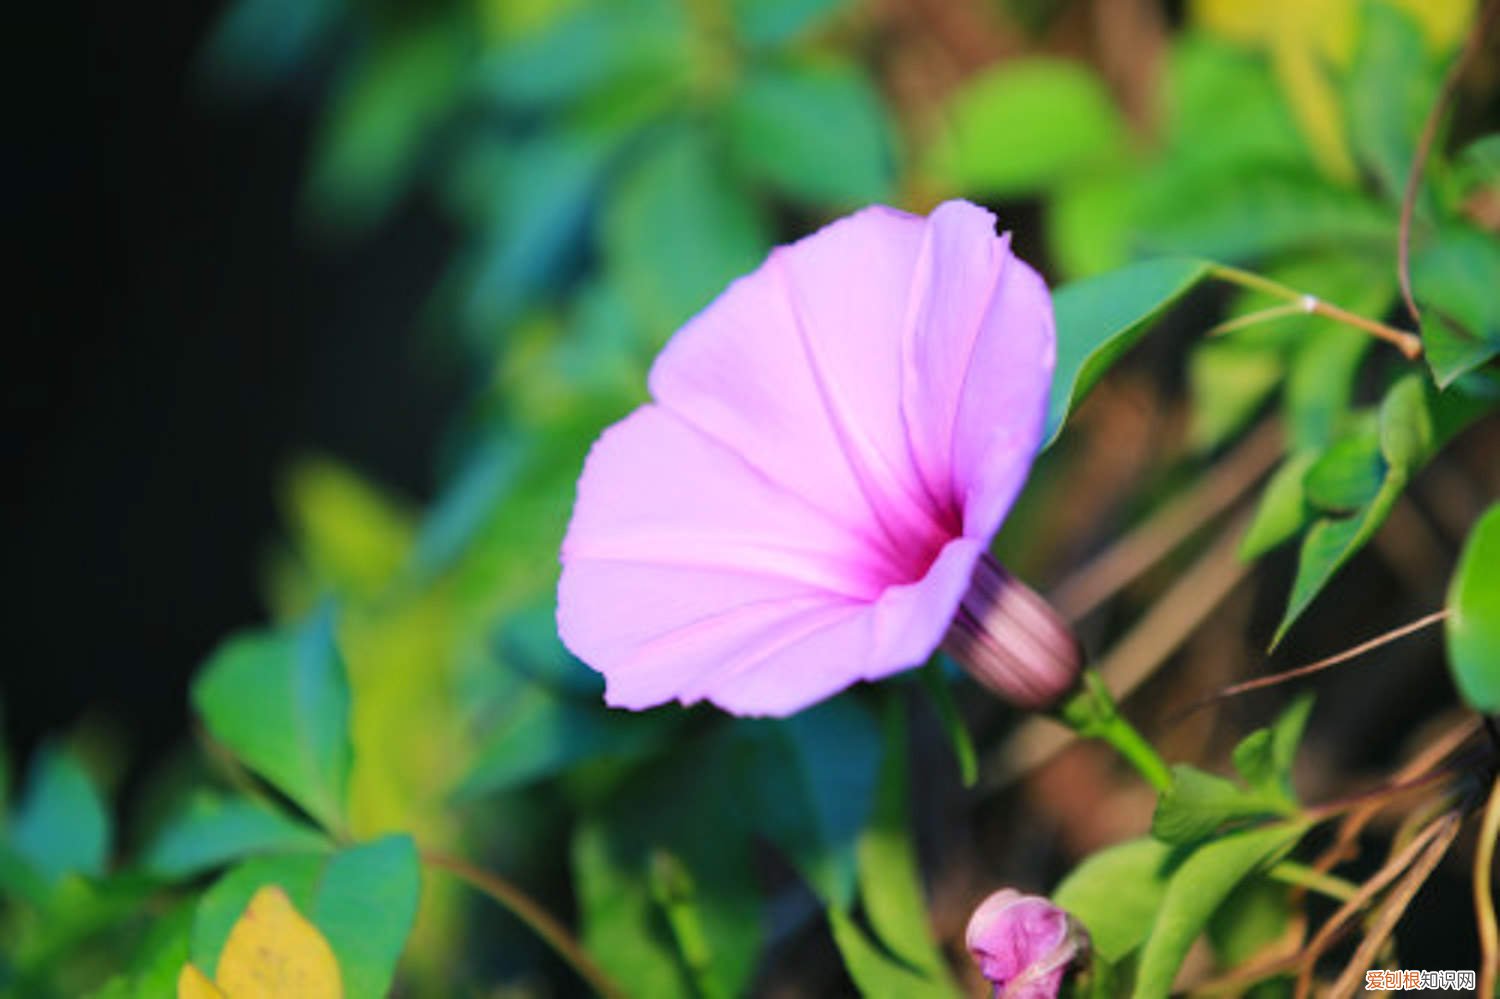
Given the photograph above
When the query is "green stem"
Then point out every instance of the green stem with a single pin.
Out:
(1092, 713)
(1292, 873)
(1408, 343)
(953, 723)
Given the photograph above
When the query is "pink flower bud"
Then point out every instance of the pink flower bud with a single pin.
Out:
(1024, 944)
(1011, 640)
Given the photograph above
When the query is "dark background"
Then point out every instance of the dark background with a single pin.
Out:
(179, 333)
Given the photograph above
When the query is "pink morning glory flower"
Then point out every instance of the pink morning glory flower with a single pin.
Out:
(1024, 944)
(809, 500)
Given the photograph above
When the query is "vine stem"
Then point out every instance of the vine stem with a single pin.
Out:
(1092, 713)
(1484, 897)
(526, 909)
(1409, 344)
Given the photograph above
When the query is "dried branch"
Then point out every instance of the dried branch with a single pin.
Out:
(1394, 906)
(1284, 676)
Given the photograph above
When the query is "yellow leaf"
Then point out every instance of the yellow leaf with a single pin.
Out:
(273, 952)
(194, 984)
(1444, 23)
(1316, 106)
(1307, 39)
(353, 535)
(1235, 20)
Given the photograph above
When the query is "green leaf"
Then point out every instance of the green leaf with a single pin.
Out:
(815, 131)
(1090, 222)
(1099, 318)
(468, 499)
(1348, 475)
(1199, 804)
(812, 778)
(1473, 624)
(1115, 894)
(1207, 75)
(1229, 380)
(1197, 889)
(890, 880)
(1027, 125)
(674, 890)
(1454, 284)
(940, 692)
(1331, 543)
(768, 23)
(1264, 758)
(214, 830)
(1320, 385)
(1406, 430)
(537, 733)
(692, 807)
(1252, 211)
(280, 702)
(1255, 915)
(1477, 167)
(678, 229)
(875, 972)
(370, 141)
(595, 49)
(1391, 87)
(365, 906)
(20, 880)
(534, 206)
(60, 824)
(160, 956)
(1283, 509)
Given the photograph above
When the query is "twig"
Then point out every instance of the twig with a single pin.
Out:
(1409, 344)
(1424, 149)
(1300, 671)
(1424, 763)
(1484, 899)
(1378, 797)
(541, 922)
(1257, 317)
(1088, 587)
(1331, 930)
(1394, 906)
(1174, 616)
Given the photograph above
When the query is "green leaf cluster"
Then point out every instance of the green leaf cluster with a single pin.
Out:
(1146, 901)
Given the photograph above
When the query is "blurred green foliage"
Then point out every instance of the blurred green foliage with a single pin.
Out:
(611, 165)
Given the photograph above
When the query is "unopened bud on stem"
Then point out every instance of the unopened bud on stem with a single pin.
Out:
(1024, 944)
(1011, 640)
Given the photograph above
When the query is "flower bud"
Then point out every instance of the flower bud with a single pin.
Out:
(1024, 944)
(1011, 640)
